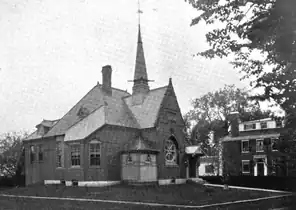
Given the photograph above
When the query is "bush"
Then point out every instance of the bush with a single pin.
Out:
(14, 181)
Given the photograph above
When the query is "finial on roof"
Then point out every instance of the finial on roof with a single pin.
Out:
(170, 81)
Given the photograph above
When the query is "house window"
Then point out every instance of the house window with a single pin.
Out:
(274, 144)
(129, 158)
(40, 153)
(171, 150)
(148, 158)
(75, 155)
(59, 154)
(32, 153)
(278, 124)
(245, 146)
(263, 125)
(250, 126)
(209, 169)
(95, 153)
(245, 166)
(259, 145)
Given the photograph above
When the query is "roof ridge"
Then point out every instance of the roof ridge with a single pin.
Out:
(70, 110)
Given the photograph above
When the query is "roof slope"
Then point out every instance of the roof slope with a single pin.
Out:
(91, 101)
(146, 113)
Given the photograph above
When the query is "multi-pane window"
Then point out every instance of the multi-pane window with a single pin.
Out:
(40, 153)
(59, 154)
(259, 145)
(245, 146)
(170, 152)
(263, 125)
(95, 153)
(75, 155)
(245, 166)
(209, 169)
(274, 144)
(32, 153)
(250, 126)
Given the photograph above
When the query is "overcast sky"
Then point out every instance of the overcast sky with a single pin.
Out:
(52, 52)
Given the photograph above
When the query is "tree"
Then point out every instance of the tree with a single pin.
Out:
(12, 154)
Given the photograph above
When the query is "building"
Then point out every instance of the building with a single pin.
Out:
(111, 134)
(251, 149)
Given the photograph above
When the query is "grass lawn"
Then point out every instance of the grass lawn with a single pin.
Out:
(186, 194)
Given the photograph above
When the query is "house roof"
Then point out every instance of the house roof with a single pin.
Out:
(259, 136)
(48, 123)
(139, 144)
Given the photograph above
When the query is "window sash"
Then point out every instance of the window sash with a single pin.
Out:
(40, 153)
(273, 143)
(75, 155)
(245, 146)
(95, 154)
(259, 145)
(246, 165)
(263, 125)
(59, 155)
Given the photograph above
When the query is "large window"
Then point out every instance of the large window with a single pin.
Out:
(75, 155)
(250, 126)
(59, 162)
(171, 151)
(245, 146)
(245, 166)
(40, 153)
(94, 153)
(259, 145)
(32, 153)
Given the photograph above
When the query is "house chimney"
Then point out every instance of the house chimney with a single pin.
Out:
(106, 77)
(234, 123)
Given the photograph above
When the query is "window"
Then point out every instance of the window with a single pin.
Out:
(148, 158)
(75, 155)
(40, 153)
(250, 126)
(32, 153)
(263, 125)
(278, 124)
(129, 158)
(259, 145)
(59, 154)
(209, 169)
(245, 166)
(274, 144)
(170, 150)
(95, 153)
(245, 146)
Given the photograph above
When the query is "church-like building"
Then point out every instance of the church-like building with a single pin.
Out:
(111, 134)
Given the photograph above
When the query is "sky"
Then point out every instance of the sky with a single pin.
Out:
(52, 53)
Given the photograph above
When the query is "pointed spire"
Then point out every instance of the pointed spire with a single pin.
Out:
(140, 76)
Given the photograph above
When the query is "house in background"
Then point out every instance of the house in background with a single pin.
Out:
(111, 134)
(251, 149)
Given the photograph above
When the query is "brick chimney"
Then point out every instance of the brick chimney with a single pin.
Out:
(234, 123)
(106, 77)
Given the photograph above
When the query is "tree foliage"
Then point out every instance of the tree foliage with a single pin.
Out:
(11, 153)
(264, 27)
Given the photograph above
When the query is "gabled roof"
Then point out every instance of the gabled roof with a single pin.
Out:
(146, 113)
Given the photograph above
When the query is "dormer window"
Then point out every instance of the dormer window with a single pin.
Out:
(263, 125)
(250, 126)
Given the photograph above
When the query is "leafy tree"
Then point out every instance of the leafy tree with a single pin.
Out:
(12, 154)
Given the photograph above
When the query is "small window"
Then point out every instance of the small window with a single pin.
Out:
(129, 158)
(209, 169)
(40, 153)
(75, 155)
(245, 146)
(59, 155)
(148, 158)
(32, 153)
(259, 145)
(263, 125)
(95, 153)
(274, 144)
(246, 166)
(250, 126)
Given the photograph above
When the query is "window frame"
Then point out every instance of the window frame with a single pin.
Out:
(263, 123)
(77, 145)
(148, 158)
(248, 124)
(59, 155)
(90, 153)
(242, 146)
(32, 149)
(40, 153)
(174, 161)
(244, 163)
(262, 140)
(273, 141)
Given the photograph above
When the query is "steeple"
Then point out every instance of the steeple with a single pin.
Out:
(140, 76)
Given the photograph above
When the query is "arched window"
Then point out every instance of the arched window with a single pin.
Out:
(171, 151)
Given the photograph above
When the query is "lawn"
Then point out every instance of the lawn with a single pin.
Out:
(186, 194)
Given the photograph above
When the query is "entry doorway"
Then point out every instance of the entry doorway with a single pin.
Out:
(260, 169)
